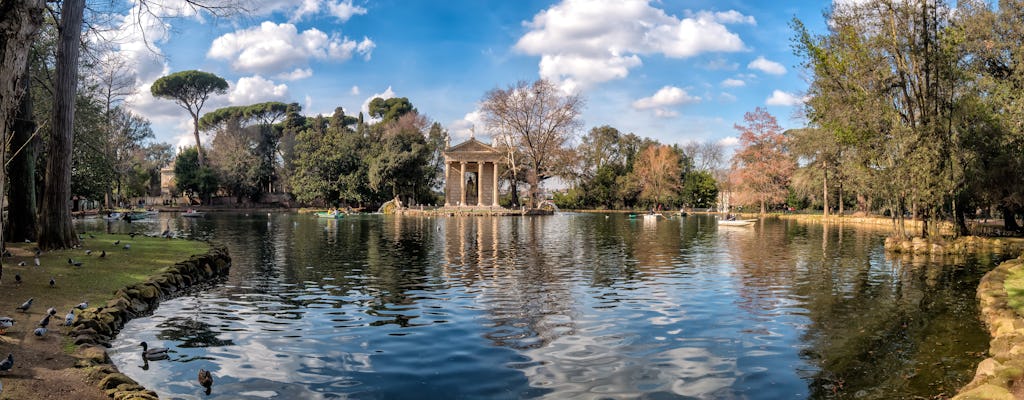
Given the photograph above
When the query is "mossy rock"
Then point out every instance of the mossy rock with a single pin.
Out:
(114, 380)
(95, 354)
(986, 392)
(149, 293)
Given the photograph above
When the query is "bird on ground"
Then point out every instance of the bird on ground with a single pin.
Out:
(91, 236)
(127, 246)
(88, 252)
(7, 254)
(75, 263)
(83, 305)
(117, 242)
(103, 253)
(17, 278)
(21, 264)
(36, 260)
(45, 322)
(166, 233)
(39, 332)
(51, 311)
(39, 252)
(70, 262)
(53, 283)
(156, 353)
(5, 324)
(206, 379)
(132, 235)
(24, 306)
(7, 364)
(70, 318)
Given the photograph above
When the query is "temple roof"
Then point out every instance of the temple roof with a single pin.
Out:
(472, 150)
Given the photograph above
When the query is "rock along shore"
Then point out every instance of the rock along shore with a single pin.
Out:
(95, 327)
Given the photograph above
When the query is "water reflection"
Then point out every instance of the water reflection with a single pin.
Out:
(570, 306)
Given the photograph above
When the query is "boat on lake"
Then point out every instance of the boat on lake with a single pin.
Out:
(192, 213)
(330, 214)
(736, 222)
(126, 216)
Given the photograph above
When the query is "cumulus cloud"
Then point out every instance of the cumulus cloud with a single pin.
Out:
(733, 83)
(767, 66)
(275, 48)
(728, 141)
(471, 124)
(343, 10)
(387, 94)
(607, 39)
(665, 97)
(256, 89)
(780, 98)
(297, 74)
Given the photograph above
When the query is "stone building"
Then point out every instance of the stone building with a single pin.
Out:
(471, 174)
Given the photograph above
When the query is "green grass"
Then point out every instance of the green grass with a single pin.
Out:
(97, 279)
(1014, 286)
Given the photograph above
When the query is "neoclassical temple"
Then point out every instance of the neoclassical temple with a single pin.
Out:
(471, 174)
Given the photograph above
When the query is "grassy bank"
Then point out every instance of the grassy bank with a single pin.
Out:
(42, 365)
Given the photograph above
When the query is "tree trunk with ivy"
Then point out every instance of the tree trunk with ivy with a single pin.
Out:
(21, 199)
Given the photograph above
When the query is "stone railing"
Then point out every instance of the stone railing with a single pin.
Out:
(95, 327)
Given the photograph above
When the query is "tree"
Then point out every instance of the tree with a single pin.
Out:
(192, 179)
(537, 119)
(657, 172)
(762, 166)
(190, 90)
(56, 230)
(699, 189)
(390, 109)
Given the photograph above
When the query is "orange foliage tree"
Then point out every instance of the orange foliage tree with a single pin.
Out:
(657, 172)
(762, 166)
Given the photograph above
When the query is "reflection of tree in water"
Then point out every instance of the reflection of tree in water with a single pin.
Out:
(875, 328)
(190, 333)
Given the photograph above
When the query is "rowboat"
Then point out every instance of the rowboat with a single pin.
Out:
(736, 222)
(653, 217)
(127, 216)
(191, 213)
(330, 215)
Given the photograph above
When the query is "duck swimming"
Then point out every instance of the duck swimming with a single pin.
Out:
(206, 379)
(156, 353)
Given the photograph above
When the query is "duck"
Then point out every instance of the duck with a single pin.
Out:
(7, 364)
(70, 318)
(39, 332)
(24, 306)
(5, 323)
(156, 353)
(206, 379)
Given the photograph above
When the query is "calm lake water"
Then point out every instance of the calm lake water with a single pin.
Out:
(570, 306)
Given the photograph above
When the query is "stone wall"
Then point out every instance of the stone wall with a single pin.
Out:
(1001, 376)
(95, 327)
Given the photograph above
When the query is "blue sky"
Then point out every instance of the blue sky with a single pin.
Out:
(674, 70)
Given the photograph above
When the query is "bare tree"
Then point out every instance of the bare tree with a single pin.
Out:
(538, 120)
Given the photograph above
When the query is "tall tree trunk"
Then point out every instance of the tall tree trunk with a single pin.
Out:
(56, 230)
(19, 22)
(21, 223)
(840, 199)
(1009, 218)
(824, 190)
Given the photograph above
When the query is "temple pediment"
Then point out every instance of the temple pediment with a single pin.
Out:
(472, 150)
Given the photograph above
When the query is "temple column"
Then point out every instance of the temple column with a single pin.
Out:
(479, 183)
(447, 183)
(462, 183)
(494, 199)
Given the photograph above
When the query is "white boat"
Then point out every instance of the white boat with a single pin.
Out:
(736, 222)
(190, 213)
(655, 216)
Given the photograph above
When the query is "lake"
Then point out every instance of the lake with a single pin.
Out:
(570, 306)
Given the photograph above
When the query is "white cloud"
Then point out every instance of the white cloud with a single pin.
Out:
(297, 74)
(666, 96)
(767, 66)
(355, 90)
(275, 48)
(607, 38)
(780, 98)
(344, 10)
(733, 83)
(471, 124)
(728, 141)
(365, 108)
(256, 89)
(664, 113)
(726, 98)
